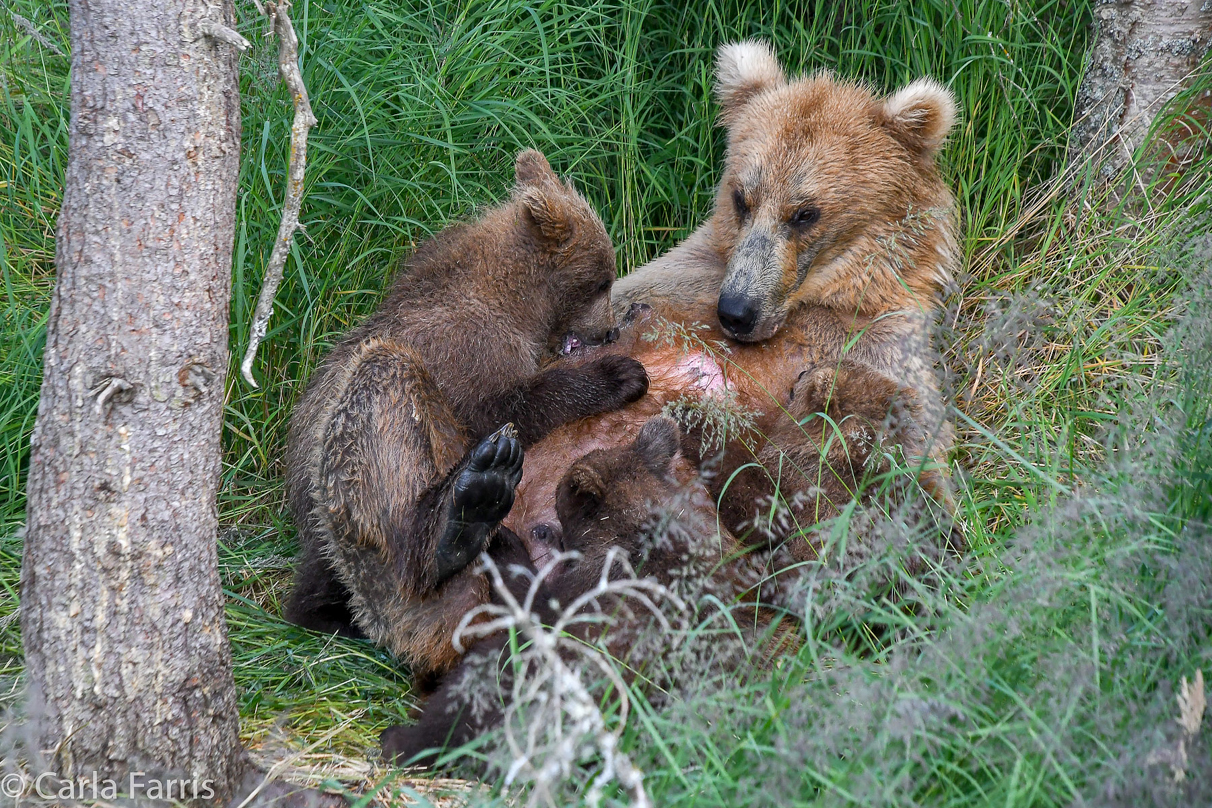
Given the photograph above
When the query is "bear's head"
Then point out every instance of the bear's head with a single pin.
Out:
(541, 264)
(572, 251)
(609, 497)
(647, 500)
(829, 194)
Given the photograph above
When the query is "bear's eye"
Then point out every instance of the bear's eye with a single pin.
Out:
(805, 216)
(742, 207)
(604, 286)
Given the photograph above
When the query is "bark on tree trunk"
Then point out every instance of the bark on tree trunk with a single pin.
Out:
(1143, 55)
(121, 608)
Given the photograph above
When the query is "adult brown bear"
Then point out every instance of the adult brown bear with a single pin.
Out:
(807, 300)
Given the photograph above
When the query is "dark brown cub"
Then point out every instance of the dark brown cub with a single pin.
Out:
(636, 498)
(405, 449)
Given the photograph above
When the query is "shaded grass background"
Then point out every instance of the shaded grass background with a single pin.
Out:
(421, 106)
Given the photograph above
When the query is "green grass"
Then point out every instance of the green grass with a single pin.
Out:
(1057, 331)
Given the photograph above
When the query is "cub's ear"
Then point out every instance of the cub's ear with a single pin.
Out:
(546, 201)
(742, 70)
(581, 493)
(658, 443)
(531, 169)
(919, 115)
(550, 210)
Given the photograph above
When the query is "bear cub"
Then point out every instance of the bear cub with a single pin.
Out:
(405, 449)
(635, 498)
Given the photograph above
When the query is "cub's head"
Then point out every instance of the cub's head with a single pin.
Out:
(570, 249)
(829, 194)
(609, 496)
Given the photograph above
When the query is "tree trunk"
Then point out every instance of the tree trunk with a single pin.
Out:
(121, 609)
(1143, 55)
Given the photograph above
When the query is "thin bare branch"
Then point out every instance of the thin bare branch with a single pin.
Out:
(304, 120)
(222, 33)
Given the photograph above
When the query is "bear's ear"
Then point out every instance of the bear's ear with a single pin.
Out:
(581, 492)
(544, 198)
(658, 443)
(531, 170)
(742, 70)
(548, 209)
(919, 115)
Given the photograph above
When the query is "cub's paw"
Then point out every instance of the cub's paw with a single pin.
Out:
(401, 744)
(484, 490)
(624, 379)
(483, 494)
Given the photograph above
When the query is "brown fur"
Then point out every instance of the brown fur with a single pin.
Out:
(638, 498)
(797, 384)
(645, 499)
(388, 428)
(845, 302)
(884, 236)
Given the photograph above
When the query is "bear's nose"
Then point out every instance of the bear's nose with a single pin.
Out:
(738, 314)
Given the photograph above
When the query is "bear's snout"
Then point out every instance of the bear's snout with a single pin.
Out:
(752, 296)
(738, 314)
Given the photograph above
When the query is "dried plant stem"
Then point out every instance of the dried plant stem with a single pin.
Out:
(304, 120)
(33, 31)
(567, 717)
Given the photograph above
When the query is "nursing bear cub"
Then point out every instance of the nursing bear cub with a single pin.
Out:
(637, 498)
(407, 445)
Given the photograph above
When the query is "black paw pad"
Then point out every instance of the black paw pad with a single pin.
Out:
(482, 496)
(484, 490)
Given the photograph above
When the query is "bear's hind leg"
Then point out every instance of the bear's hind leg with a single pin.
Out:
(481, 496)
(389, 458)
(318, 601)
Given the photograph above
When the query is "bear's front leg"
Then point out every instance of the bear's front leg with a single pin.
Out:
(561, 395)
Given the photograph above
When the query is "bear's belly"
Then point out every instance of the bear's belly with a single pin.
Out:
(674, 373)
(685, 364)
